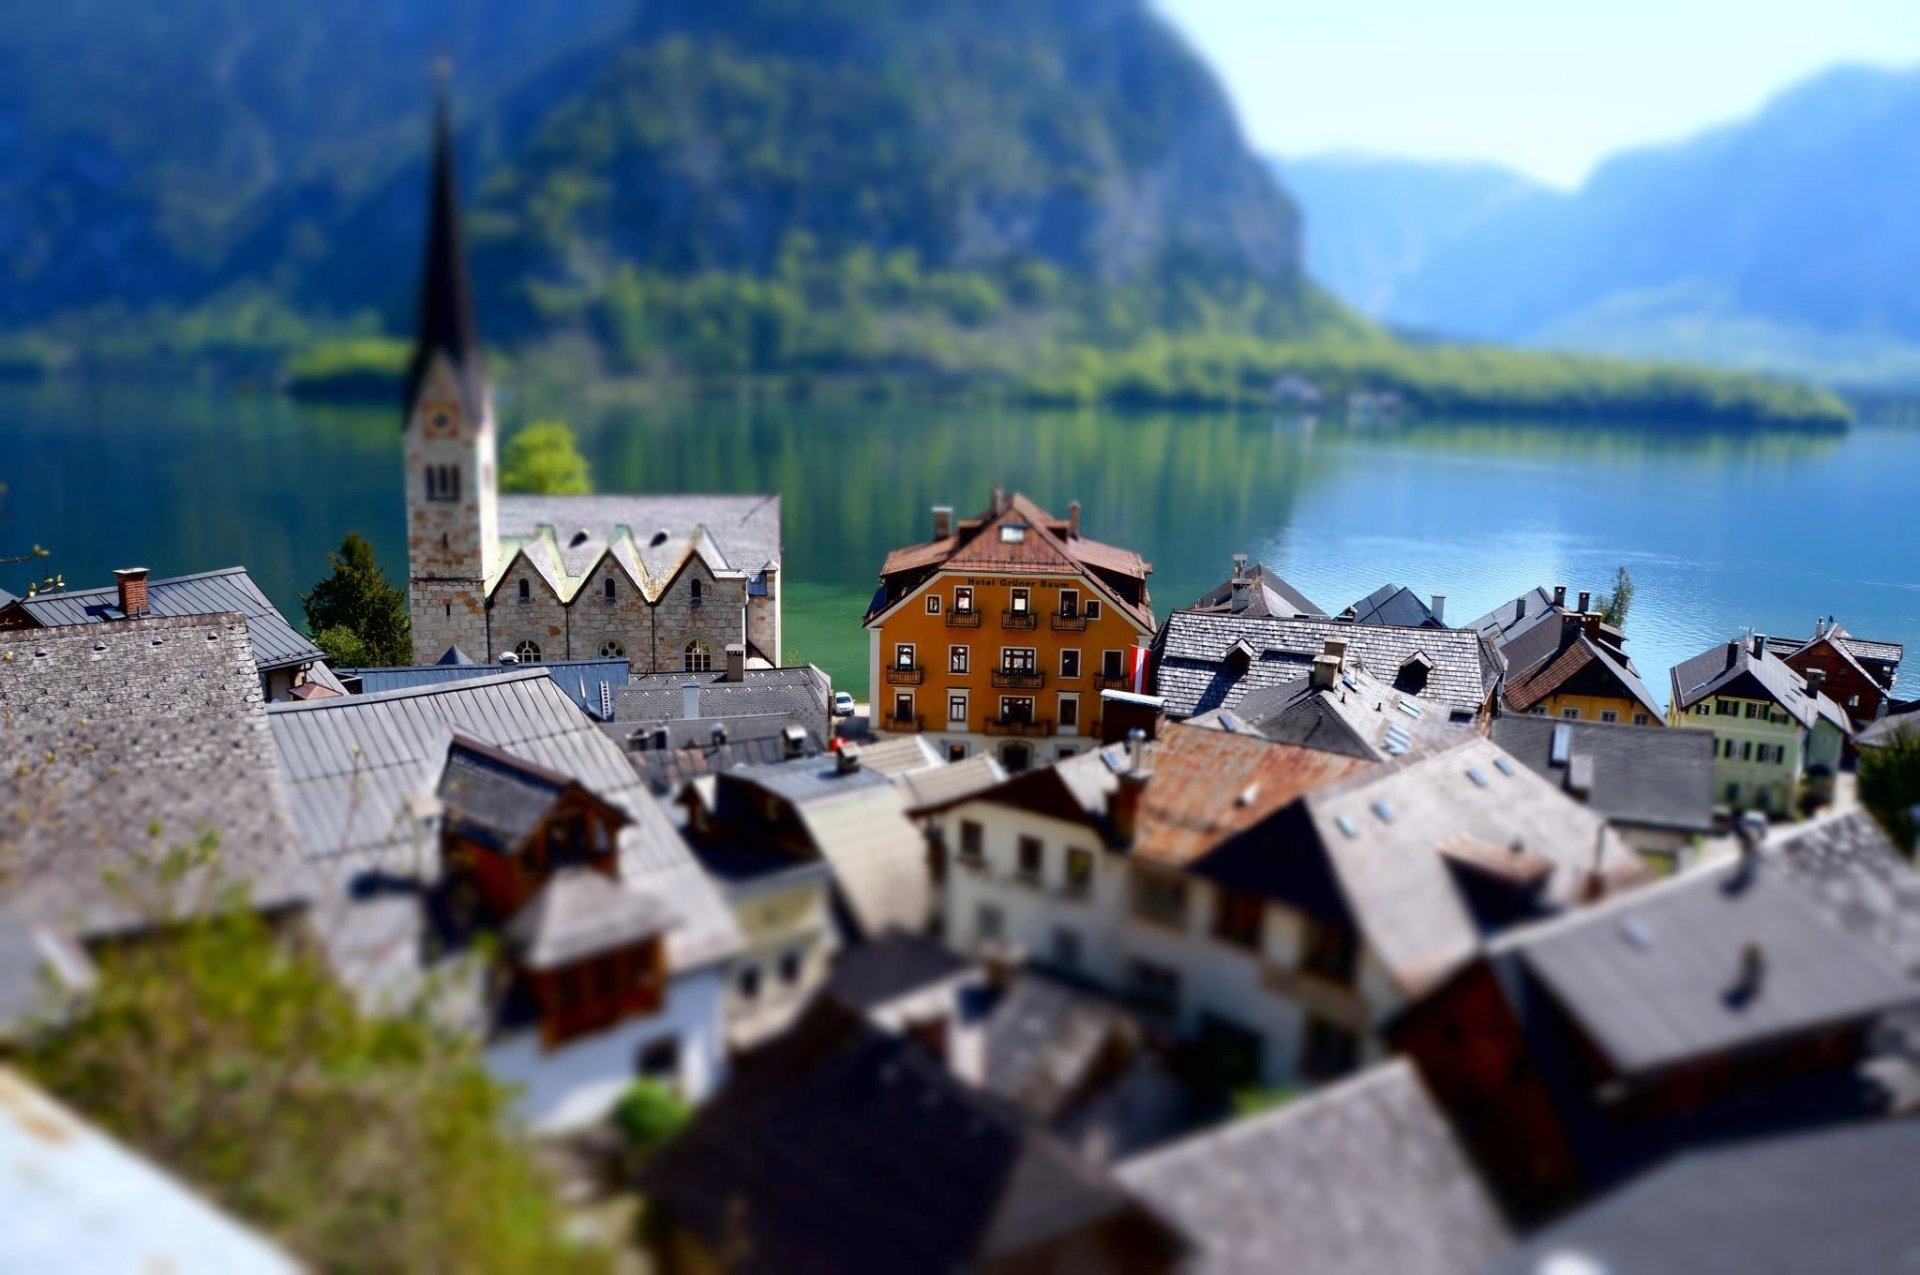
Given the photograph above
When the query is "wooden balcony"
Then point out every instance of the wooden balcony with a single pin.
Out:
(963, 619)
(1017, 726)
(1019, 620)
(904, 725)
(1068, 623)
(909, 675)
(1025, 679)
(1110, 682)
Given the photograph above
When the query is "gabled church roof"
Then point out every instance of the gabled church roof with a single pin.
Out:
(446, 323)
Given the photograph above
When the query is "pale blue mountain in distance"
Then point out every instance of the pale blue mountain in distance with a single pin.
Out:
(1787, 241)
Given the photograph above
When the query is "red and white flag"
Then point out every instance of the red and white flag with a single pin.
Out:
(1138, 659)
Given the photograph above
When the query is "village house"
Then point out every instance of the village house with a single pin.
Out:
(495, 806)
(1730, 999)
(1207, 660)
(1572, 665)
(843, 1146)
(1653, 787)
(1860, 672)
(1255, 590)
(1773, 727)
(1400, 607)
(289, 665)
(1000, 632)
(665, 582)
(1361, 1177)
(1275, 903)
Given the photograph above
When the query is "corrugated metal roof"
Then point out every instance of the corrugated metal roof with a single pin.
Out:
(76, 1200)
(276, 643)
(582, 680)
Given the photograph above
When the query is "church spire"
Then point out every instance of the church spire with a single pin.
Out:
(446, 293)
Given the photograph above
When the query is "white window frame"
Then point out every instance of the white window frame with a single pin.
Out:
(964, 664)
(1079, 665)
(1030, 659)
(933, 604)
(963, 599)
(1070, 602)
(966, 706)
(1060, 714)
(1020, 600)
(903, 655)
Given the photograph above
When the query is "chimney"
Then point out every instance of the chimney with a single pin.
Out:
(1586, 601)
(1759, 645)
(1559, 595)
(999, 498)
(1751, 829)
(1733, 652)
(942, 521)
(689, 700)
(846, 761)
(1819, 627)
(1073, 519)
(1242, 593)
(719, 734)
(1337, 648)
(1520, 607)
(795, 740)
(1239, 565)
(736, 662)
(1753, 971)
(1325, 670)
(1439, 607)
(1816, 678)
(133, 590)
(1124, 807)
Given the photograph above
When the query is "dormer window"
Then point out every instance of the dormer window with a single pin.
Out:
(1013, 533)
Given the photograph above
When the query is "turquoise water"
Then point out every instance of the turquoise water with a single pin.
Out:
(1722, 530)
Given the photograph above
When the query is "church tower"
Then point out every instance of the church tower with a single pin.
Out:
(453, 518)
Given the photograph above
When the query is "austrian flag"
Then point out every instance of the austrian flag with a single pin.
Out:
(1138, 659)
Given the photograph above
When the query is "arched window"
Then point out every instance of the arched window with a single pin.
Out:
(526, 591)
(694, 589)
(699, 657)
(611, 650)
(609, 587)
(527, 651)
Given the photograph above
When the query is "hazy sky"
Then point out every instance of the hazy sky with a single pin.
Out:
(1545, 86)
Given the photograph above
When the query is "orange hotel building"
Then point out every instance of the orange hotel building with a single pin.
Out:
(1000, 633)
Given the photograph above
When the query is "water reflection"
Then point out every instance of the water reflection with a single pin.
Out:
(1721, 529)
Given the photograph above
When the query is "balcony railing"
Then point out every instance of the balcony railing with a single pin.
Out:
(1019, 620)
(1110, 681)
(1019, 678)
(963, 619)
(913, 724)
(905, 675)
(1017, 726)
(1068, 623)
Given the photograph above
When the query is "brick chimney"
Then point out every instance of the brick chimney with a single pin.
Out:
(1325, 670)
(942, 521)
(133, 590)
(1073, 519)
(736, 662)
(1124, 806)
(1439, 607)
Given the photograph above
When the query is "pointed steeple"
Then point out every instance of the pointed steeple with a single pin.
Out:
(446, 293)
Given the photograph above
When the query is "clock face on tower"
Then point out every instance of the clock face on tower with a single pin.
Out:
(440, 420)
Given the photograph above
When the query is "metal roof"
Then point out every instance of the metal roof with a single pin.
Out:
(1395, 605)
(1655, 777)
(276, 643)
(744, 529)
(803, 694)
(584, 681)
(76, 1200)
(1361, 1177)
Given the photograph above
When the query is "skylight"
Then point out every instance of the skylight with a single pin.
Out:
(1635, 931)
(1383, 812)
(1397, 741)
(1013, 533)
(1410, 708)
(1348, 826)
(1478, 776)
(1502, 765)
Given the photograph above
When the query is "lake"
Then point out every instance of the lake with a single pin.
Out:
(1721, 530)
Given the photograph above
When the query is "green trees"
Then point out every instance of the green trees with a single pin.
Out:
(1620, 600)
(1890, 785)
(545, 458)
(230, 1055)
(356, 615)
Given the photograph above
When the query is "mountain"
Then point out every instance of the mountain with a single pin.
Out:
(165, 154)
(1371, 222)
(1786, 241)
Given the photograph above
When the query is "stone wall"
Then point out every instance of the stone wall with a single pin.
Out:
(763, 619)
(717, 618)
(447, 613)
(626, 620)
(541, 619)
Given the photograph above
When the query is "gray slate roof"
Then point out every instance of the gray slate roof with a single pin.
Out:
(1358, 716)
(592, 684)
(746, 528)
(1731, 665)
(276, 643)
(1267, 593)
(1839, 1199)
(690, 750)
(1881, 733)
(1394, 604)
(491, 798)
(108, 731)
(1193, 675)
(1359, 1178)
(1654, 777)
(1512, 615)
(1662, 976)
(1852, 870)
(581, 912)
(804, 694)
(924, 790)
(362, 772)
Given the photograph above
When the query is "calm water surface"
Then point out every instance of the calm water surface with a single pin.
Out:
(1721, 530)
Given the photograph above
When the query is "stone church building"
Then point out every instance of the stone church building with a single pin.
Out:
(665, 582)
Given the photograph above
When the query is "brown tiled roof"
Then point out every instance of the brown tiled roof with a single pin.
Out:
(1582, 653)
(1209, 784)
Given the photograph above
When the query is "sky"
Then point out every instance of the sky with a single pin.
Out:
(1544, 86)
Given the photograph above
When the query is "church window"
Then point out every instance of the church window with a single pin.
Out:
(695, 591)
(611, 650)
(526, 592)
(609, 588)
(443, 482)
(699, 657)
(527, 651)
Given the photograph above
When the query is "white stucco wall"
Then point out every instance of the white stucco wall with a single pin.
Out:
(578, 1082)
